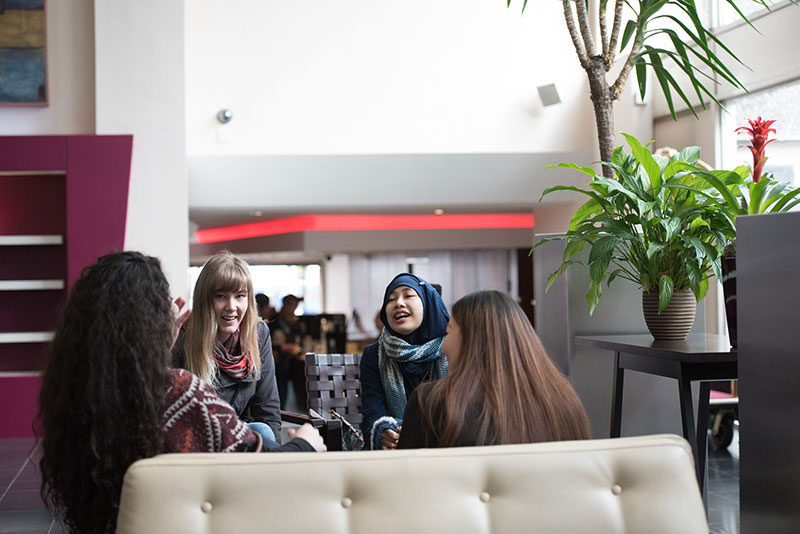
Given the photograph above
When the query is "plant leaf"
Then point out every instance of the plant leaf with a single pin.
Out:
(587, 210)
(557, 273)
(756, 194)
(781, 205)
(654, 248)
(593, 296)
(630, 28)
(573, 247)
(645, 159)
(603, 247)
(689, 154)
(665, 288)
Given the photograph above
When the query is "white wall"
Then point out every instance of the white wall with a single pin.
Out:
(366, 77)
(140, 91)
(70, 66)
(336, 282)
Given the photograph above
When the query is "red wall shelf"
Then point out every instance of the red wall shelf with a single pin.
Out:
(63, 203)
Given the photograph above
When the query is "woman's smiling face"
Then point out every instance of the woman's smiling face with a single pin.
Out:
(404, 310)
(229, 310)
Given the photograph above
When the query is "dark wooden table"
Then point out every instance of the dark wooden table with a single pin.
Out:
(701, 357)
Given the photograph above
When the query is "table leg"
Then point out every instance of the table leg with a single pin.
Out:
(702, 432)
(616, 398)
(687, 419)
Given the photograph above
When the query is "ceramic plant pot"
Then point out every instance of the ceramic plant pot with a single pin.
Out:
(674, 323)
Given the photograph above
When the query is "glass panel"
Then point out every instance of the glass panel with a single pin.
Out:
(277, 281)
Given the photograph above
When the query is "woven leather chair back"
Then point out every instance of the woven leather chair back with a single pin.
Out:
(332, 381)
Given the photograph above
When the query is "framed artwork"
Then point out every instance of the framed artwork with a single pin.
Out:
(23, 53)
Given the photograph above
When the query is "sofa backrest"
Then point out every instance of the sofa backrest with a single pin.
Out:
(641, 484)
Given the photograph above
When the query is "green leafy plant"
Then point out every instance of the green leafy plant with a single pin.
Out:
(693, 53)
(745, 190)
(650, 224)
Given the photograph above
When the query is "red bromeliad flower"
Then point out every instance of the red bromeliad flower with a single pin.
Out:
(759, 133)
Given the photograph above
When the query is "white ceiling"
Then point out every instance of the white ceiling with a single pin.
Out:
(226, 190)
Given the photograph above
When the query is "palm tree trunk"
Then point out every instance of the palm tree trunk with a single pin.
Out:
(603, 103)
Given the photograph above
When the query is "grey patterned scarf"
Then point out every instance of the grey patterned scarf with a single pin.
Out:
(391, 351)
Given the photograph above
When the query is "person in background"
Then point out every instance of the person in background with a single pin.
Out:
(407, 353)
(108, 397)
(265, 311)
(286, 346)
(502, 387)
(227, 345)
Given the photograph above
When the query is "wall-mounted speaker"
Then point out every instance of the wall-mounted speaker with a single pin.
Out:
(549, 94)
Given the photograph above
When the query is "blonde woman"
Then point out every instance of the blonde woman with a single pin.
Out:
(226, 344)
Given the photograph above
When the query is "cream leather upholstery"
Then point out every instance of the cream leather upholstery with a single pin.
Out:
(642, 484)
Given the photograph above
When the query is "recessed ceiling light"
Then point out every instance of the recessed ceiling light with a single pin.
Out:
(256, 213)
(438, 211)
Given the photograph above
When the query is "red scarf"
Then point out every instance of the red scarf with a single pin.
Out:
(232, 359)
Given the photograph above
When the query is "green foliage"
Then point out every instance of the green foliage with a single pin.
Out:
(694, 52)
(734, 193)
(651, 224)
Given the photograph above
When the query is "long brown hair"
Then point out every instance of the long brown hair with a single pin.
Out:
(222, 272)
(503, 373)
(103, 389)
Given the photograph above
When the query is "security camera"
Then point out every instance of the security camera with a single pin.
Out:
(224, 116)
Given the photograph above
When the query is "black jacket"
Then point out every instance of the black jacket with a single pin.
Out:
(254, 400)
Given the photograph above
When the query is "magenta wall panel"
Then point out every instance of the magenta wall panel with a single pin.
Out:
(29, 311)
(32, 153)
(88, 206)
(18, 396)
(47, 262)
(32, 205)
(21, 357)
(98, 174)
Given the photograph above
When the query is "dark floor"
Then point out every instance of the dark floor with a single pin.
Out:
(723, 488)
(21, 507)
(22, 511)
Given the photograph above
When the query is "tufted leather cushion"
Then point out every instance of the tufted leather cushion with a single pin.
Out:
(641, 484)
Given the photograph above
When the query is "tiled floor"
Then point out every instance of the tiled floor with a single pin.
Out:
(22, 510)
(21, 506)
(723, 489)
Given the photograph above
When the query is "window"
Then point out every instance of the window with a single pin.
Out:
(277, 281)
(778, 103)
(727, 15)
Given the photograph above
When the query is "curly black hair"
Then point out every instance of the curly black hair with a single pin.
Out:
(103, 388)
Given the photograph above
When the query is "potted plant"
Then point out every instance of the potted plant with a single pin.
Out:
(652, 225)
(745, 191)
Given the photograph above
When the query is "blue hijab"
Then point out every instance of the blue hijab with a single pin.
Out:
(435, 315)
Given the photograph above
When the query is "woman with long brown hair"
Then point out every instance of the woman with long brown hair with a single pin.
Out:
(227, 345)
(502, 387)
(109, 398)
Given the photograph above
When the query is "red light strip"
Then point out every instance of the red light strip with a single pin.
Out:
(345, 223)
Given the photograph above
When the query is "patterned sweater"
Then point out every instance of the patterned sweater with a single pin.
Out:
(197, 420)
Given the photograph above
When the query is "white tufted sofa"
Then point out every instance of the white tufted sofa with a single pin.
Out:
(643, 484)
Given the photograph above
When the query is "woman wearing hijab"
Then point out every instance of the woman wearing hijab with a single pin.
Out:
(408, 352)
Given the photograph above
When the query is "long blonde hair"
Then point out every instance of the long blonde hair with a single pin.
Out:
(222, 272)
(503, 370)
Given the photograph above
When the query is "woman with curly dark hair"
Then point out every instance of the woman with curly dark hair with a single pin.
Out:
(108, 397)
(502, 387)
